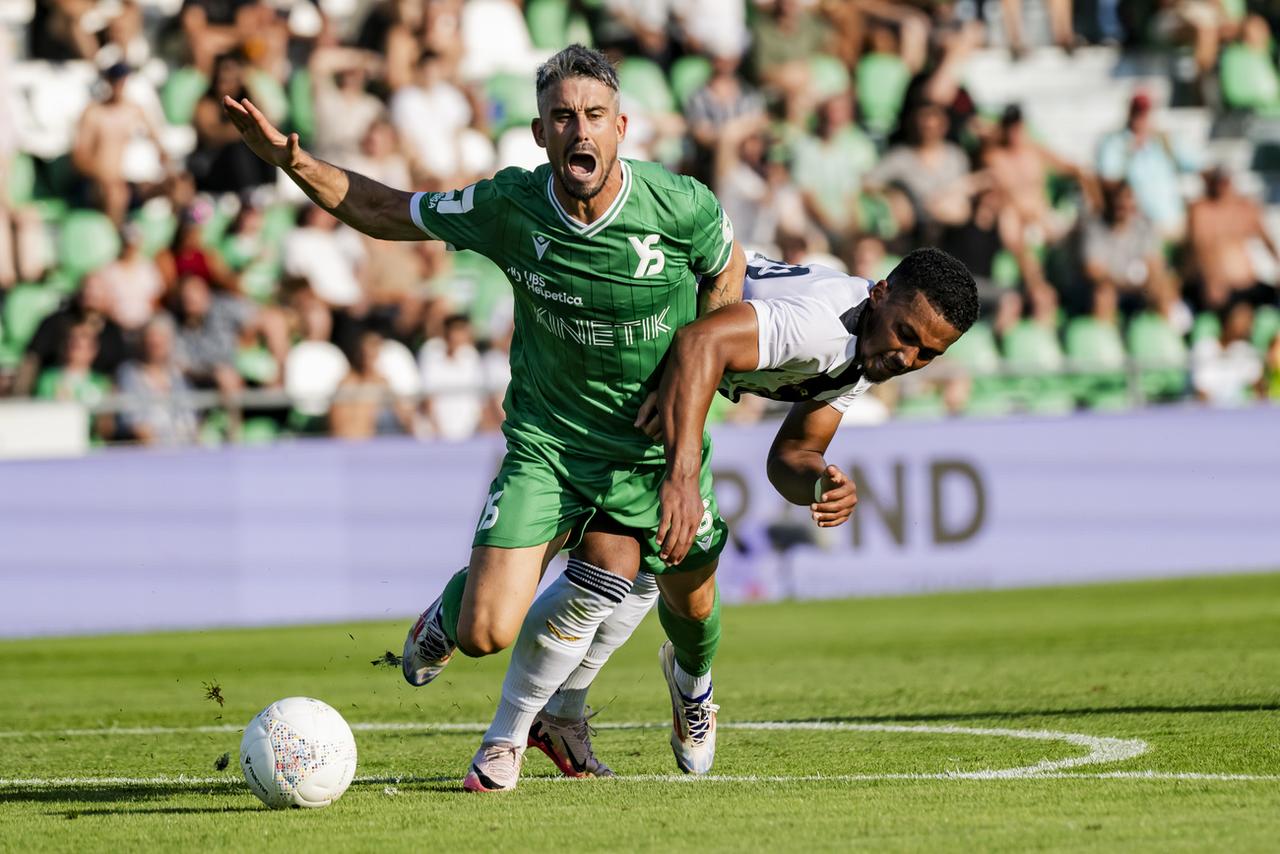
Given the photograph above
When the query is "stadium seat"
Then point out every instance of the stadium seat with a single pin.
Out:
(257, 365)
(882, 85)
(548, 22)
(157, 224)
(1266, 325)
(688, 75)
(1206, 325)
(512, 103)
(1029, 346)
(828, 77)
(921, 407)
(181, 91)
(976, 351)
(1249, 80)
(1161, 355)
(87, 240)
(643, 81)
(258, 431)
(1097, 352)
(24, 308)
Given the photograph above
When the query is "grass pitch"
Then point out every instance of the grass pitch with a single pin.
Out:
(112, 743)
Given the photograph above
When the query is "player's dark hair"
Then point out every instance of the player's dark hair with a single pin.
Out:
(945, 282)
(575, 61)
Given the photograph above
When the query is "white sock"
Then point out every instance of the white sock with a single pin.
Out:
(555, 636)
(570, 701)
(693, 687)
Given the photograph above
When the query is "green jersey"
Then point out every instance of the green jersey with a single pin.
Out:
(596, 304)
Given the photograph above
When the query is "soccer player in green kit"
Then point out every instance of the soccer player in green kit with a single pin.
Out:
(604, 256)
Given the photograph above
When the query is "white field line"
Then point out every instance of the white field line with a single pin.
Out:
(235, 781)
(1101, 750)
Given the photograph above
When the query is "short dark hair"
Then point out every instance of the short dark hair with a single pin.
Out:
(945, 282)
(575, 61)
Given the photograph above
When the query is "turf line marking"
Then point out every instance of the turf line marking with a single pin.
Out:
(237, 782)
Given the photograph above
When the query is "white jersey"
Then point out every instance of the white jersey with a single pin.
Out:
(808, 318)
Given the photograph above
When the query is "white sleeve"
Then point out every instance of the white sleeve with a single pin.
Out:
(798, 332)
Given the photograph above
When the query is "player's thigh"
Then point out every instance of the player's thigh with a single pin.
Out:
(691, 594)
(501, 584)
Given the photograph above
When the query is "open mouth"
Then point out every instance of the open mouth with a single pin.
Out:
(581, 165)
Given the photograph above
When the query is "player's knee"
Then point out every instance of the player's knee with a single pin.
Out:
(483, 637)
(697, 609)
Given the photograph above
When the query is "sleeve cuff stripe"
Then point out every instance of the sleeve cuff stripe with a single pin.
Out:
(415, 212)
(728, 254)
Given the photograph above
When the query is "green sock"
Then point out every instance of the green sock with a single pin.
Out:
(695, 641)
(451, 603)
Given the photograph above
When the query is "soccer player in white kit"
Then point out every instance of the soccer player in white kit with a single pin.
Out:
(806, 334)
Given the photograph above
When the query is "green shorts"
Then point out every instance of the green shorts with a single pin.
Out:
(541, 492)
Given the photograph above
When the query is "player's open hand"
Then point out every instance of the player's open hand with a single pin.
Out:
(647, 418)
(836, 500)
(260, 135)
(682, 510)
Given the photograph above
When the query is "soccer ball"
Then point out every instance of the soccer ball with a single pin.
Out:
(298, 752)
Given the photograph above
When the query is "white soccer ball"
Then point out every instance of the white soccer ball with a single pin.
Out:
(298, 752)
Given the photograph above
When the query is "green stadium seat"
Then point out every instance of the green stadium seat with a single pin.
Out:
(882, 86)
(579, 31)
(1161, 355)
(1249, 80)
(1029, 346)
(22, 179)
(828, 77)
(87, 240)
(259, 431)
(182, 90)
(1266, 325)
(1005, 272)
(302, 105)
(24, 308)
(157, 224)
(977, 352)
(1206, 325)
(688, 75)
(268, 94)
(925, 406)
(1097, 351)
(548, 22)
(513, 103)
(257, 365)
(643, 81)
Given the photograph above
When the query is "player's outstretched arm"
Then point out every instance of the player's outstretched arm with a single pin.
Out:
(362, 203)
(701, 352)
(726, 288)
(800, 472)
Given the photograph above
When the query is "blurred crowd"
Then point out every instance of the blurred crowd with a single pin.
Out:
(145, 252)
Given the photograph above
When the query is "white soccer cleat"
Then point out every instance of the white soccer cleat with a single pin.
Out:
(427, 649)
(693, 721)
(567, 743)
(495, 768)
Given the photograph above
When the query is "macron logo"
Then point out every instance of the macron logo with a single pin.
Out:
(540, 245)
(651, 259)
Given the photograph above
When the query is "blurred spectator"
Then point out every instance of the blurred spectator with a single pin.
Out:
(75, 379)
(1273, 368)
(753, 183)
(724, 99)
(47, 348)
(1220, 228)
(1122, 254)
(453, 380)
(221, 163)
(785, 36)
(1201, 23)
(715, 27)
(925, 178)
(364, 406)
(1059, 23)
(1146, 158)
(976, 242)
(57, 32)
(431, 115)
(158, 409)
(380, 156)
(1227, 370)
(124, 38)
(105, 132)
(829, 165)
(188, 255)
(394, 30)
(326, 255)
(133, 282)
(208, 335)
(314, 365)
(344, 110)
(216, 27)
(245, 242)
